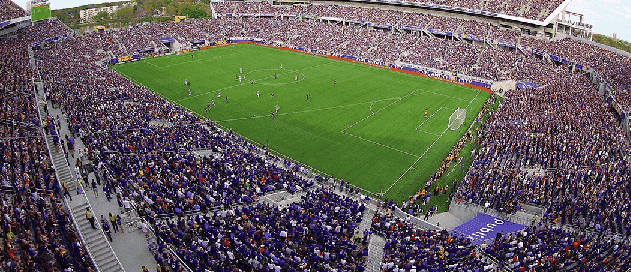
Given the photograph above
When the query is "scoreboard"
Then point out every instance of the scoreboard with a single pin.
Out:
(40, 9)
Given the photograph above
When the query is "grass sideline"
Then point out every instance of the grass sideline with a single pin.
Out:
(363, 124)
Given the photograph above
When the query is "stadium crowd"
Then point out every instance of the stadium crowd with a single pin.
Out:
(311, 235)
(408, 248)
(143, 147)
(556, 249)
(10, 10)
(582, 148)
(534, 9)
(37, 232)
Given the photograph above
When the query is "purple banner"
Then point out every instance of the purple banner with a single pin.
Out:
(484, 227)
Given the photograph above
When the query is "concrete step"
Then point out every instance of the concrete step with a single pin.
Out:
(112, 267)
(375, 253)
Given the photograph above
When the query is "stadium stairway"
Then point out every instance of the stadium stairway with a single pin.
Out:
(95, 240)
(375, 253)
(99, 248)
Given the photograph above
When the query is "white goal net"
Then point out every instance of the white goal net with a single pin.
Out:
(457, 118)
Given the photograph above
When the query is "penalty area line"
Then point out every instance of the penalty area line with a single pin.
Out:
(417, 160)
(379, 144)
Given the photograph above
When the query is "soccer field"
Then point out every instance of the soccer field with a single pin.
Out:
(368, 128)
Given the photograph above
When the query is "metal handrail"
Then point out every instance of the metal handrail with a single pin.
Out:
(168, 246)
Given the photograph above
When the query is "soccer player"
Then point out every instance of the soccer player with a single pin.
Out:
(272, 94)
(281, 67)
(277, 107)
(252, 83)
(271, 114)
(185, 81)
(275, 76)
(212, 102)
(258, 94)
(219, 95)
(426, 111)
(239, 79)
(334, 81)
(296, 78)
(240, 70)
(191, 55)
(189, 90)
(308, 95)
(226, 99)
(236, 78)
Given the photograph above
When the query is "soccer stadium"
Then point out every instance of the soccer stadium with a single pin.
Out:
(316, 136)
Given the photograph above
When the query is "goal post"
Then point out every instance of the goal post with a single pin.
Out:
(457, 118)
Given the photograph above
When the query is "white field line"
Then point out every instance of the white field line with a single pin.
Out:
(379, 144)
(430, 117)
(400, 98)
(427, 132)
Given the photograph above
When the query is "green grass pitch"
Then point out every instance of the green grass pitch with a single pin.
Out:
(40, 13)
(368, 128)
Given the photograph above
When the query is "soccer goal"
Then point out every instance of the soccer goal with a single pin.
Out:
(457, 118)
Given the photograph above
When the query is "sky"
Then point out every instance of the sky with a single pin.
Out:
(607, 16)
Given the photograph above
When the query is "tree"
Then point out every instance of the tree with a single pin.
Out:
(101, 16)
(125, 13)
(196, 13)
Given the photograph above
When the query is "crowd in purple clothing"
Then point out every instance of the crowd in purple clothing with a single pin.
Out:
(37, 232)
(568, 131)
(173, 184)
(314, 234)
(10, 10)
(533, 9)
(555, 249)
(143, 144)
(409, 248)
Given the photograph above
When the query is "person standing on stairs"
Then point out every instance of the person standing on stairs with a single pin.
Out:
(89, 216)
(66, 191)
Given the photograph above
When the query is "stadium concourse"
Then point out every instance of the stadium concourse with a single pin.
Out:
(212, 199)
